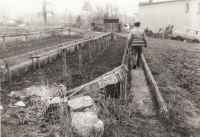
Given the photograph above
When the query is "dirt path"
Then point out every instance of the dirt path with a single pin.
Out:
(146, 107)
(141, 93)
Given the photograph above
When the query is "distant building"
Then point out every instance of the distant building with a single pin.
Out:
(111, 25)
(184, 13)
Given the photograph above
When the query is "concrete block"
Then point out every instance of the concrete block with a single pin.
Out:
(87, 124)
(80, 103)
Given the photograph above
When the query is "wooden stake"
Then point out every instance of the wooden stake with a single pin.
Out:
(99, 44)
(69, 32)
(64, 64)
(4, 42)
(95, 47)
(26, 38)
(90, 52)
(8, 72)
(80, 56)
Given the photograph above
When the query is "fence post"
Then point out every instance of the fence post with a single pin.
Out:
(80, 56)
(4, 42)
(51, 33)
(62, 32)
(69, 32)
(103, 42)
(112, 36)
(26, 39)
(90, 51)
(8, 72)
(99, 44)
(95, 47)
(64, 64)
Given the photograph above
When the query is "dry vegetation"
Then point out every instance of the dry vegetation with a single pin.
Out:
(171, 69)
(35, 119)
(176, 68)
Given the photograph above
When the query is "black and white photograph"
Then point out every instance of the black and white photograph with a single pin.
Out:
(100, 68)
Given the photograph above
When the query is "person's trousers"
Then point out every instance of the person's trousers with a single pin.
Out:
(136, 54)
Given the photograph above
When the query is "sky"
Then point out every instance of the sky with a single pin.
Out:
(59, 6)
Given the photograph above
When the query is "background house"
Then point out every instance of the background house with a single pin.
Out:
(184, 13)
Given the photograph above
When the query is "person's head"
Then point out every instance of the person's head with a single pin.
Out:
(137, 24)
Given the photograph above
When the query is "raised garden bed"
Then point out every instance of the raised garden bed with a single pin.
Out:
(103, 61)
(13, 49)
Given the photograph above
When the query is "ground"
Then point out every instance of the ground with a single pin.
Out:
(22, 120)
(174, 64)
(175, 67)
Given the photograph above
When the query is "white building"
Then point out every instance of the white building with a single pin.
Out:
(184, 13)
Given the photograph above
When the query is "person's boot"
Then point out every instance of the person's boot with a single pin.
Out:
(134, 66)
(138, 64)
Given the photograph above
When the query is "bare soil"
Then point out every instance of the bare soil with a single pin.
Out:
(103, 61)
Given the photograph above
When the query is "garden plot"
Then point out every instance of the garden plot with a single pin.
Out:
(28, 120)
(13, 49)
(175, 67)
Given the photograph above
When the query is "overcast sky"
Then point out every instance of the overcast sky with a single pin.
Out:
(59, 6)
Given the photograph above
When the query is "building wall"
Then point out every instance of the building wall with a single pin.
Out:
(159, 15)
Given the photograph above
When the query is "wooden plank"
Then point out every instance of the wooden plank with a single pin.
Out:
(43, 54)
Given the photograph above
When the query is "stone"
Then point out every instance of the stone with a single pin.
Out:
(57, 100)
(1, 107)
(20, 104)
(87, 123)
(80, 103)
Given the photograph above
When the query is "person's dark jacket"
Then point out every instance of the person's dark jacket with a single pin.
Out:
(137, 37)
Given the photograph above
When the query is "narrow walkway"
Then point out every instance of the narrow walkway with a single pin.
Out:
(141, 93)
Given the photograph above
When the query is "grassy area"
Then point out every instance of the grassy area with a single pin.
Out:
(176, 69)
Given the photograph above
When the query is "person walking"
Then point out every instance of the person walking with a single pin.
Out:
(136, 41)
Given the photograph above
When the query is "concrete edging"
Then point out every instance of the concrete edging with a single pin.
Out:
(154, 87)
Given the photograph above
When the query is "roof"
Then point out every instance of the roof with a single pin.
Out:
(110, 20)
(147, 3)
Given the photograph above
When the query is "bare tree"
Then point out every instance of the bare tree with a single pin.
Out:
(46, 11)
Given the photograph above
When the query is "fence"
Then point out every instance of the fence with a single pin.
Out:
(117, 75)
(26, 36)
(12, 68)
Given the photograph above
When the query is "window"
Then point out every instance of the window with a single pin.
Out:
(187, 8)
(198, 8)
